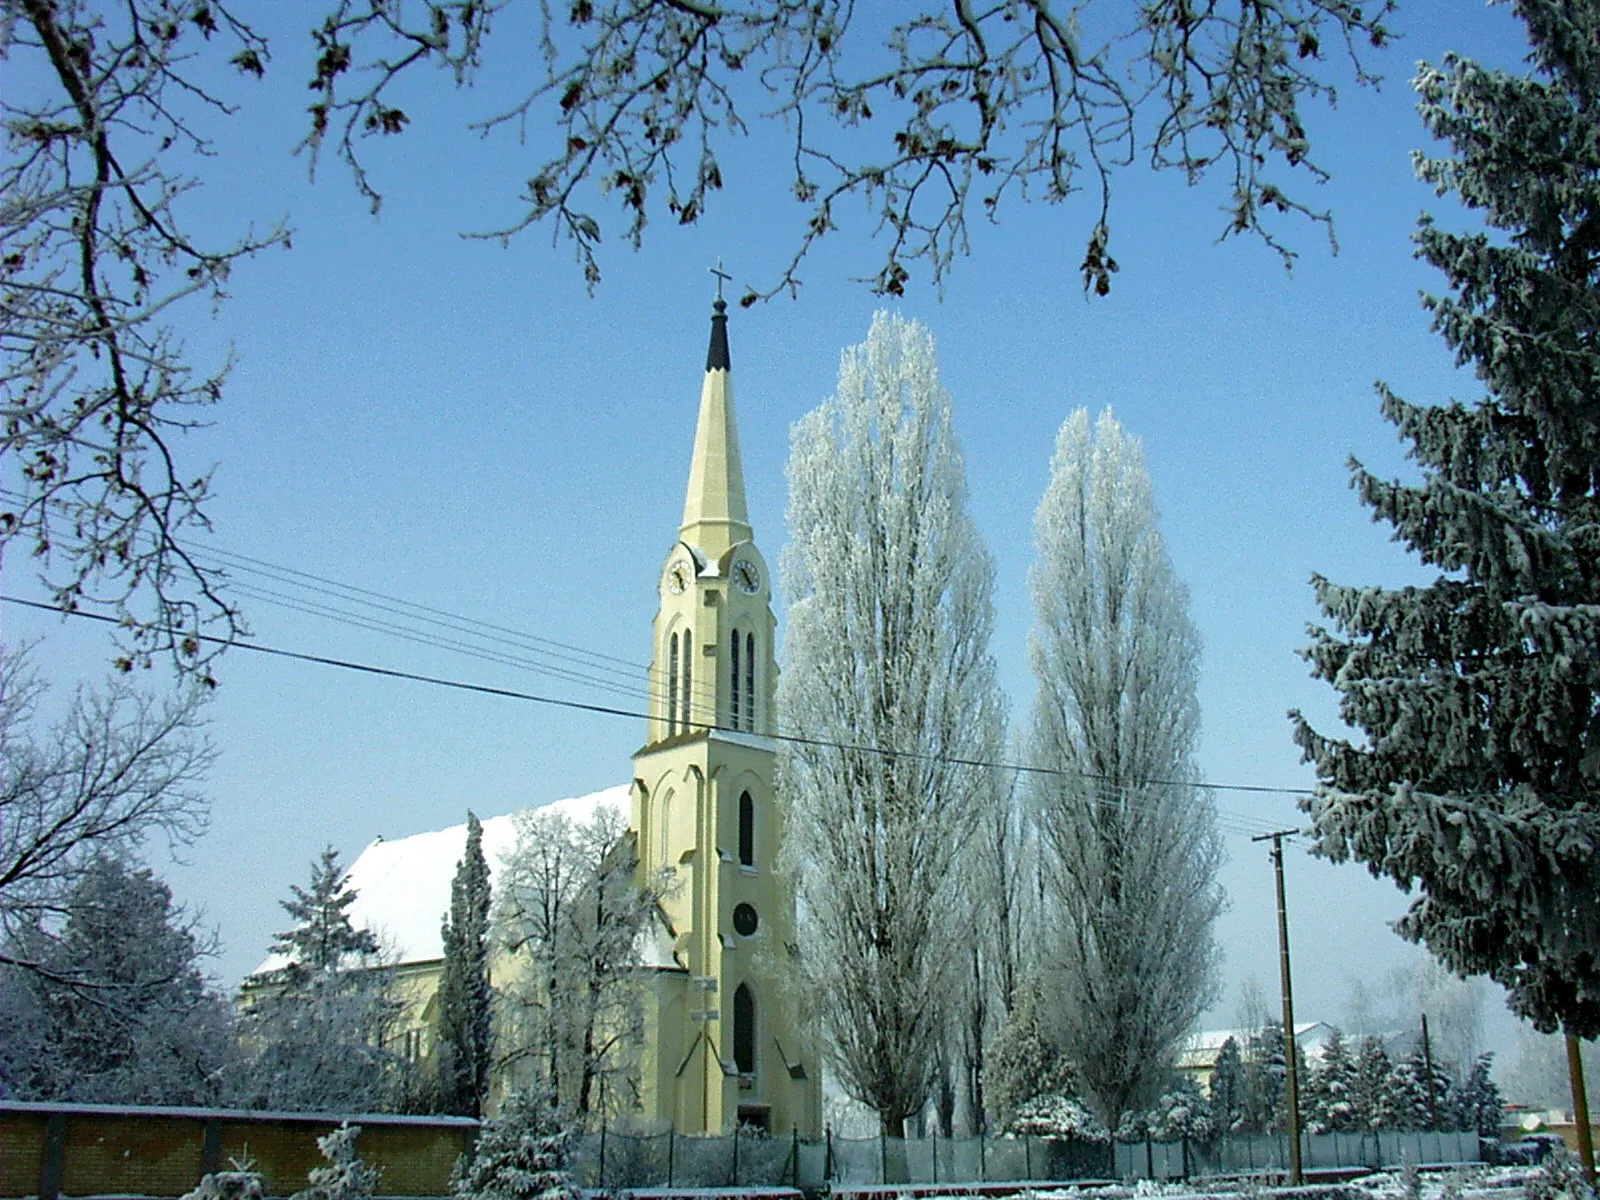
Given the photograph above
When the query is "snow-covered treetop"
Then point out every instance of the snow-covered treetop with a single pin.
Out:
(402, 887)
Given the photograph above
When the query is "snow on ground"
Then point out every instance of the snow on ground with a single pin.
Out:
(1463, 1183)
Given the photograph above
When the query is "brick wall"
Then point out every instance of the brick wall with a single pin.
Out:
(50, 1150)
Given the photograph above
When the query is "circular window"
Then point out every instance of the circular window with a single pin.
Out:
(745, 920)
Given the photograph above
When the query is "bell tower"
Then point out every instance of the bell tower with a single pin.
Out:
(725, 1047)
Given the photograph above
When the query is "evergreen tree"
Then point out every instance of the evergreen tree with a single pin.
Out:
(522, 1154)
(1261, 1091)
(323, 939)
(1328, 1101)
(465, 998)
(319, 1025)
(1480, 693)
(1023, 1062)
(1369, 1091)
(1227, 1086)
(1408, 1097)
(345, 1176)
(115, 1008)
(1478, 1105)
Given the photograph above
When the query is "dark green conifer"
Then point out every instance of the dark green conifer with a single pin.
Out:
(465, 999)
(1480, 693)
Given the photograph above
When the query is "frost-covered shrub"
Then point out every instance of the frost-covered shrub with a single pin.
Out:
(523, 1154)
(241, 1183)
(1058, 1116)
(345, 1177)
(1559, 1178)
(1183, 1112)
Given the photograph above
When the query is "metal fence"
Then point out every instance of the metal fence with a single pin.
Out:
(750, 1159)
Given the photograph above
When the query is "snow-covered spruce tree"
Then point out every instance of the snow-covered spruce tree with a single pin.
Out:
(570, 910)
(522, 1154)
(1327, 1102)
(1023, 1064)
(465, 1000)
(1261, 1081)
(1129, 846)
(1480, 693)
(890, 678)
(1412, 1104)
(318, 1026)
(1478, 1105)
(345, 1176)
(1227, 1087)
(1369, 1088)
(115, 1007)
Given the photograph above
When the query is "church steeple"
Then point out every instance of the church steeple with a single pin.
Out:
(714, 514)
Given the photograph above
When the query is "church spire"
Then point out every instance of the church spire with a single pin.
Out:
(714, 513)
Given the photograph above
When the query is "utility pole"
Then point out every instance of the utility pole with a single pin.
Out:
(1580, 1106)
(1427, 1065)
(1291, 1073)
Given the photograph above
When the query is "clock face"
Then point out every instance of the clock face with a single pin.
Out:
(746, 577)
(678, 576)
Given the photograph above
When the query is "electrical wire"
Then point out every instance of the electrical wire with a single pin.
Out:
(1238, 824)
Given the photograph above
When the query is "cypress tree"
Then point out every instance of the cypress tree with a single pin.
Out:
(465, 999)
(1480, 693)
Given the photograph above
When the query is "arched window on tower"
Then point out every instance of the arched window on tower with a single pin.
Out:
(664, 832)
(747, 830)
(733, 694)
(672, 684)
(688, 676)
(750, 682)
(744, 1030)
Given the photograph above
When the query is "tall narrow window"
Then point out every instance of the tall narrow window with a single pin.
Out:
(688, 676)
(733, 696)
(744, 1030)
(747, 830)
(672, 684)
(750, 682)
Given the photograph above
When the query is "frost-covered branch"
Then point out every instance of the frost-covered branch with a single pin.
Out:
(104, 110)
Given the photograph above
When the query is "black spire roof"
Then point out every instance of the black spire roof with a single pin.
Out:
(717, 353)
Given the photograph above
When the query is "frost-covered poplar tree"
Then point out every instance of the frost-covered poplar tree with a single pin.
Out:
(466, 1002)
(1479, 694)
(570, 913)
(889, 676)
(1129, 845)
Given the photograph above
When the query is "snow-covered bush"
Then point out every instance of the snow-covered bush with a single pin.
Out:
(1055, 1115)
(241, 1183)
(1182, 1112)
(523, 1154)
(1559, 1178)
(345, 1177)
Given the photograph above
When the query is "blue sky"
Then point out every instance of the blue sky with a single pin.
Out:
(460, 424)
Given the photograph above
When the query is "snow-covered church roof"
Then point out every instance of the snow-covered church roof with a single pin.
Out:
(403, 886)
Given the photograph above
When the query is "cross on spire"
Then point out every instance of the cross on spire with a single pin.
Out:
(720, 274)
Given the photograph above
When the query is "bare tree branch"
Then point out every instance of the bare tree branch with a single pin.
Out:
(116, 769)
(95, 389)
(923, 119)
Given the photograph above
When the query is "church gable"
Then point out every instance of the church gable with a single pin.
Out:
(402, 886)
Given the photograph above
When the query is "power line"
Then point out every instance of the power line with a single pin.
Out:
(1018, 769)
(579, 661)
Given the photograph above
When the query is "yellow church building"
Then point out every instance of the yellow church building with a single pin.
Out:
(722, 1042)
